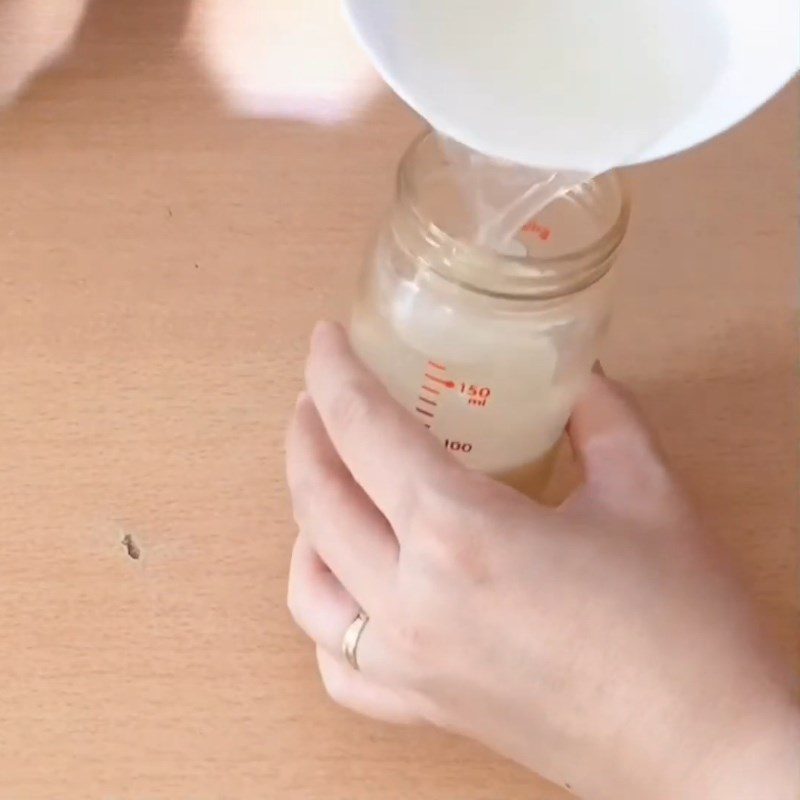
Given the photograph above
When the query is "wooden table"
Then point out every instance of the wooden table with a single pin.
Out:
(162, 264)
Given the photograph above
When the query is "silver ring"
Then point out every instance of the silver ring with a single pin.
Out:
(352, 636)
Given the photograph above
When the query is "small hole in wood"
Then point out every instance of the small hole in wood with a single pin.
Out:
(133, 549)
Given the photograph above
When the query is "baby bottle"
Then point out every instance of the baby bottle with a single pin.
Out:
(489, 347)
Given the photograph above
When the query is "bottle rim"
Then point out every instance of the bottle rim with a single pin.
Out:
(533, 276)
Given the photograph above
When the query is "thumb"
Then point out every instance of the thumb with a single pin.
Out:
(612, 440)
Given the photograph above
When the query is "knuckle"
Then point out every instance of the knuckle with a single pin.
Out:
(335, 683)
(436, 512)
(623, 448)
(316, 494)
(306, 512)
(352, 406)
(467, 557)
(322, 508)
(302, 491)
(635, 464)
(417, 649)
(449, 532)
(631, 444)
(411, 640)
(333, 494)
(644, 457)
(301, 507)
(294, 602)
(411, 645)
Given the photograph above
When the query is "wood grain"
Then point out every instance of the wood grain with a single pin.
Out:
(161, 266)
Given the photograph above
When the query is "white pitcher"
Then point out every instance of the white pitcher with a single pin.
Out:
(581, 84)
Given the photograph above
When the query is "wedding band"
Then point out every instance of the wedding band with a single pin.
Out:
(352, 637)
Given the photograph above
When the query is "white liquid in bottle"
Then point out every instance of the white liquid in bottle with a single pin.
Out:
(494, 400)
(492, 373)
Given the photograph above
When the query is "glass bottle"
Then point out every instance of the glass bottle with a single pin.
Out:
(488, 350)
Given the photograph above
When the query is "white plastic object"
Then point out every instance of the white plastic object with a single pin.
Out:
(581, 84)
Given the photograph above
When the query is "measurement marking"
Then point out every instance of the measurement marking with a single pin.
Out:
(540, 230)
(429, 388)
(448, 384)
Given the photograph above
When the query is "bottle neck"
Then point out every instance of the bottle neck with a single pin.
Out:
(442, 221)
(486, 271)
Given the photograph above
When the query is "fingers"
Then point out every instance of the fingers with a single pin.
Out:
(387, 451)
(611, 438)
(350, 534)
(324, 611)
(319, 604)
(32, 36)
(354, 690)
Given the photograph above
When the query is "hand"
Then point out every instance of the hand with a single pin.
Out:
(601, 643)
(33, 34)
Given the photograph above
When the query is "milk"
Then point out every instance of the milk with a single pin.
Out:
(492, 373)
